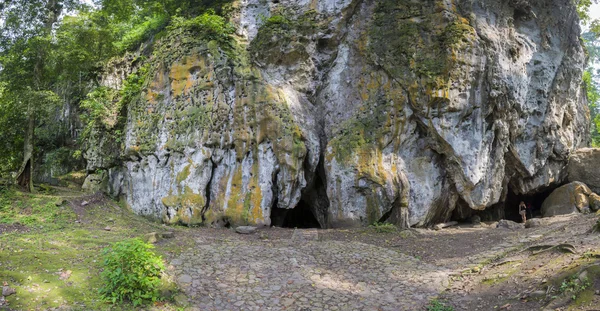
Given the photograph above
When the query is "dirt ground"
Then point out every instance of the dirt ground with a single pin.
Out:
(486, 268)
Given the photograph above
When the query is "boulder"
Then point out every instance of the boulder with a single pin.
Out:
(152, 237)
(534, 223)
(582, 167)
(594, 200)
(567, 199)
(7, 291)
(95, 182)
(245, 229)
(509, 224)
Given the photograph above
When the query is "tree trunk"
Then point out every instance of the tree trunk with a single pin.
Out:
(25, 176)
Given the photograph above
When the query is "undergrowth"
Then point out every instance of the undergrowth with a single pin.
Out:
(382, 227)
(573, 286)
(437, 305)
(131, 273)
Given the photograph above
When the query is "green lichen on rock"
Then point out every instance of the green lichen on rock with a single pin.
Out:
(188, 206)
(415, 39)
(283, 37)
(416, 44)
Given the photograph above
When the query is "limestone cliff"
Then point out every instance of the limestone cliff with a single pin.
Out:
(362, 111)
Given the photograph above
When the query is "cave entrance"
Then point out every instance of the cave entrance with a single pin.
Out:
(532, 201)
(509, 209)
(300, 216)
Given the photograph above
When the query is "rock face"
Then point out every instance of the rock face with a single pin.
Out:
(583, 166)
(365, 111)
(570, 198)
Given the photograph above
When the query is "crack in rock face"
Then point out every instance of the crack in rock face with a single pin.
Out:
(358, 111)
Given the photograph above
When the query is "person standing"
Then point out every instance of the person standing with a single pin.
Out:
(523, 211)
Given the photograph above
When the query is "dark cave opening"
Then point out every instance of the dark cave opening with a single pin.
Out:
(299, 217)
(509, 209)
(532, 201)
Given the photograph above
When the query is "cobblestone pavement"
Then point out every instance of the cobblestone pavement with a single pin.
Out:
(303, 275)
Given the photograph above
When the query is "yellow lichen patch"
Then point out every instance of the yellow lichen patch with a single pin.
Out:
(181, 74)
(235, 206)
(184, 174)
(187, 205)
(254, 201)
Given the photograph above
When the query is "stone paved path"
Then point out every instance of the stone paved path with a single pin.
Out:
(310, 275)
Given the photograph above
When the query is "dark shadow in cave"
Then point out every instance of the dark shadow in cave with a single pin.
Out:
(299, 217)
(509, 209)
(532, 201)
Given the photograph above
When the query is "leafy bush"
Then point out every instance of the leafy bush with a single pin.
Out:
(382, 227)
(573, 286)
(436, 305)
(209, 25)
(141, 32)
(131, 273)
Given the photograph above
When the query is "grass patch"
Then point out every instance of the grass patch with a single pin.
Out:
(437, 305)
(43, 212)
(59, 261)
(381, 227)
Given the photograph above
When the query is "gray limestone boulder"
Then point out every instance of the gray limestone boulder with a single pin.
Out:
(245, 229)
(570, 198)
(534, 223)
(594, 200)
(584, 166)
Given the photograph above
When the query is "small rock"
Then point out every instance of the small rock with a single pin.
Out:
(111, 220)
(60, 202)
(245, 229)
(445, 225)
(583, 276)
(598, 292)
(508, 224)
(7, 291)
(185, 279)
(84, 203)
(151, 237)
(181, 300)
(534, 223)
(65, 275)
(476, 220)
(168, 235)
(107, 228)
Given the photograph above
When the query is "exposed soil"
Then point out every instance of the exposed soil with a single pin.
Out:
(12, 228)
(468, 267)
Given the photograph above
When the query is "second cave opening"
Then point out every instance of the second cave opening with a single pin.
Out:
(300, 216)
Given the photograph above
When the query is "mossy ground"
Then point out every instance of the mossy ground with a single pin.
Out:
(54, 240)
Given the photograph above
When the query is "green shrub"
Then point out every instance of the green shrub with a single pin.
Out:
(382, 227)
(209, 25)
(131, 273)
(140, 33)
(436, 305)
(573, 286)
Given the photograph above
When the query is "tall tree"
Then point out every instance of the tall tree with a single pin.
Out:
(26, 40)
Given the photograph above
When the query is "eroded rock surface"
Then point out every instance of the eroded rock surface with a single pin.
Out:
(364, 111)
(583, 167)
(570, 198)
